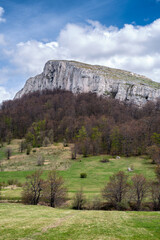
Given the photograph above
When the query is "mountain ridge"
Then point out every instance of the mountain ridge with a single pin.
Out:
(80, 77)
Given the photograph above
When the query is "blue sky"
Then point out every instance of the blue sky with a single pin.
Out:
(116, 33)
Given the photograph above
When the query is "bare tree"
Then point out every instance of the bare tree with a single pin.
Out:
(33, 188)
(155, 191)
(116, 189)
(79, 200)
(46, 142)
(22, 146)
(9, 137)
(154, 152)
(8, 153)
(55, 192)
(138, 189)
(157, 171)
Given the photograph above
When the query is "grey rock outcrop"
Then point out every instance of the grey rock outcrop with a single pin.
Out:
(79, 77)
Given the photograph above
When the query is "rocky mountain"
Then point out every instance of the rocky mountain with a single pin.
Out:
(79, 77)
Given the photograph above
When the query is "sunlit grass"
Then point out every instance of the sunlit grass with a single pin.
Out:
(38, 222)
(98, 173)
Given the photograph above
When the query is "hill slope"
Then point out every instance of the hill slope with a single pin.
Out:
(79, 77)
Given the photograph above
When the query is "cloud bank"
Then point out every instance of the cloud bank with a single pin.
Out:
(133, 48)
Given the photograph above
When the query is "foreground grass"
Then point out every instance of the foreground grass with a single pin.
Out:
(38, 222)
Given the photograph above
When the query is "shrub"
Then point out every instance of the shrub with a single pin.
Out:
(40, 160)
(79, 200)
(65, 144)
(46, 142)
(83, 175)
(123, 206)
(96, 203)
(74, 152)
(8, 153)
(104, 160)
(28, 149)
(22, 146)
(14, 182)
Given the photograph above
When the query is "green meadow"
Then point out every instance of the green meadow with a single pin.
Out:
(56, 156)
(39, 222)
(26, 222)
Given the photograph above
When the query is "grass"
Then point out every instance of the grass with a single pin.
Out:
(38, 222)
(118, 74)
(98, 173)
(18, 221)
(54, 155)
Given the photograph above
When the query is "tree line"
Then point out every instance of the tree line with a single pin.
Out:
(94, 123)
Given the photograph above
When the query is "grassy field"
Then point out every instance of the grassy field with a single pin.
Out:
(98, 173)
(38, 222)
(22, 222)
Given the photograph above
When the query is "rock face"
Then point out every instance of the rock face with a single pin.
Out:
(79, 78)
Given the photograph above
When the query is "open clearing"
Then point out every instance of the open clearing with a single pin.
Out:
(98, 173)
(38, 222)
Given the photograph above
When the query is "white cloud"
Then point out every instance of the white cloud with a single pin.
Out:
(134, 48)
(1, 15)
(31, 56)
(4, 94)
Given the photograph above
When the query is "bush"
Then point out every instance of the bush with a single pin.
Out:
(8, 152)
(83, 175)
(96, 203)
(104, 160)
(34, 150)
(123, 206)
(79, 200)
(14, 182)
(28, 149)
(46, 142)
(40, 160)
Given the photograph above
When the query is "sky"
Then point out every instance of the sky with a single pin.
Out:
(122, 34)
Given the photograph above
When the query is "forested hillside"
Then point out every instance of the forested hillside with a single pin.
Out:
(95, 124)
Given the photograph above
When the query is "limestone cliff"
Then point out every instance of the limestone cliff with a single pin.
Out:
(79, 77)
